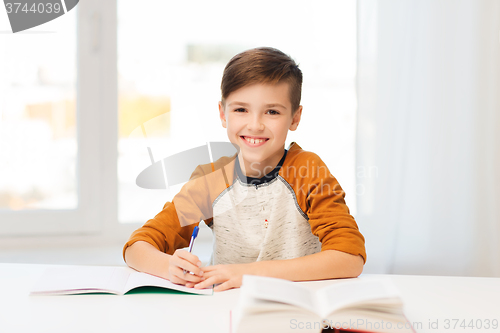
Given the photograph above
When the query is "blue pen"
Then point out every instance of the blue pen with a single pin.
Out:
(191, 243)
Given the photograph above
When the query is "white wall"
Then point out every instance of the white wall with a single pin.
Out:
(429, 122)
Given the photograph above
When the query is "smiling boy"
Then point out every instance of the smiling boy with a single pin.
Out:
(273, 211)
(257, 118)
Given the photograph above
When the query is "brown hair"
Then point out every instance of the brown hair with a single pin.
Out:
(262, 65)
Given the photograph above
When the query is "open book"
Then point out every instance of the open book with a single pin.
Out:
(354, 305)
(67, 280)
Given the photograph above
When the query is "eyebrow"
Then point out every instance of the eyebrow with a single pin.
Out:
(272, 105)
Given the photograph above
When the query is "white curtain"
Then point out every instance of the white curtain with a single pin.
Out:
(428, 136)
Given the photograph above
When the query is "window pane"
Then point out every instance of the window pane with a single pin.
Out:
(170, 64)
(38, 147)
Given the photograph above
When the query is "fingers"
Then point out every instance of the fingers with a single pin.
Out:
(188, 262)
(224, 286)
(210, 268)
(226, 276)
(187, 256)
(209, 273)
(181, 263)
(187, 276)
(177, 276)
(207, 282)
(212, 275)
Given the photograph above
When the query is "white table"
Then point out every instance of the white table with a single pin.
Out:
(427, 299)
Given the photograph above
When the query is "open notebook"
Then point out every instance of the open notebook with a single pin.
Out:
(118, 280)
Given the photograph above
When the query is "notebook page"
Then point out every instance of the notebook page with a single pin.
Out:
(140, 279)
(75, 279)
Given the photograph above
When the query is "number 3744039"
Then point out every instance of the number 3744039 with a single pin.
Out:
(41, 7)
(471, 324)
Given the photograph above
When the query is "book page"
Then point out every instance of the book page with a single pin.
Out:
(369, 321)
(258, 315)
(277, 322)
(378, 294)
(278, 290)
(82, 279)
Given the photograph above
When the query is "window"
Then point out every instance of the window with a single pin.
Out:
(38, 133)
(38, 129)
(100, 92)
(170, 64)
(52, 126)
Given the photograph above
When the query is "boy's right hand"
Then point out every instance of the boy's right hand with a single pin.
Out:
(183, 261)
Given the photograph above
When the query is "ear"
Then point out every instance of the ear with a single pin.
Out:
(222, 115)
(296, 119)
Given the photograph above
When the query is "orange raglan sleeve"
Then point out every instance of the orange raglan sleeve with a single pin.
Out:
(171, 228)
(325, 206)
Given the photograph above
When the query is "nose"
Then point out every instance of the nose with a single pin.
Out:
(255, 123)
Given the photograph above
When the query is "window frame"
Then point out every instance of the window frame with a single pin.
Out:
(95, 218)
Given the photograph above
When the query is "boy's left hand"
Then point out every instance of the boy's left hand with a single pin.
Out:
(229, 276)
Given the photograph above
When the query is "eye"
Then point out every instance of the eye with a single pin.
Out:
(240, 110)
(273, 112)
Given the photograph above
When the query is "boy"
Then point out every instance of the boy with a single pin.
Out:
(273, 211)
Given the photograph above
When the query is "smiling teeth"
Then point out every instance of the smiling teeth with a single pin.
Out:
(254, 141)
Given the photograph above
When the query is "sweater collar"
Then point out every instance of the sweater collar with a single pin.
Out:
(258, 181)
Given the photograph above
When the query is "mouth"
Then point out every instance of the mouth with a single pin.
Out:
(254, 141)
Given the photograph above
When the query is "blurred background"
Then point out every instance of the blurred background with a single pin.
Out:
(400, 100)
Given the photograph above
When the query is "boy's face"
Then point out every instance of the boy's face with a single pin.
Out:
(257, 118)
